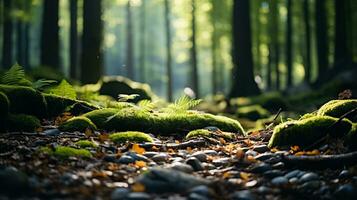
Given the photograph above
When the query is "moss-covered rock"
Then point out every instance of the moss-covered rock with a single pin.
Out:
(208, 133)
(115, 85)
(253, 112)
(20, 122)
(4, 105)
(77, 124)
(307, 131)
(66, 152)
(25, 100)
(131, 136)
(85, 144)
(337, 108)
(100, 117)
(307, 115)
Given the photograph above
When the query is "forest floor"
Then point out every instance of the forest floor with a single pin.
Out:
(177, 169)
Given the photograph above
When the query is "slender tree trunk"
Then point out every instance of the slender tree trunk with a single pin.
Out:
(341, 55)
(289, 60)
(91, 65)
(19, 42)
(243, 83)
(321, 37)
(50, 34)
(26, 36)
(7, 38)
(275, 45)
(194, 74)
(73, 39)
(143, 42)
(129, 44)
(214, 41)
(307, 77)
(269, 66)
(168, 50)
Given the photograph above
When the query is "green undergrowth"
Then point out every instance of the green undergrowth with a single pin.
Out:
(207, 133)
(130, 136)
(85, 144)
(19, 122)
(64, 152)
(77, 124)
(337, 108)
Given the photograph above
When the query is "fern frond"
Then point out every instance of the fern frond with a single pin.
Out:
(126, 97)
(147, 105)
(13, 76)
(182, 104)
(41, 83)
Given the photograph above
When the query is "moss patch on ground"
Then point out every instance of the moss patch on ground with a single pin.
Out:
(131, 136)
(77, 124)
(253, 112)
(66, 152)
(307, 131)
(337, 108)
(208, 133)
(85, 144)
(20, 122)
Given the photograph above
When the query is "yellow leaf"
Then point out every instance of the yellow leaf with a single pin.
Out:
(227, 175)
(137, 149)
(138, 187)
(245, 176)
(140, 163)
(295, 148)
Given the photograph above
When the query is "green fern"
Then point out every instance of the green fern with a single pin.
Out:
(64, 89)
(14, 76)
(42, 83)
(126, 97)
(147, 105)
(182, 104)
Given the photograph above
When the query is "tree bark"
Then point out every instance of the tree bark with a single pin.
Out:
(243, 83)
(143, 41)
(289, 61)
(194, 74)
(341, 56)
(73, 39)
(307, 77)
(7, 37)
(275, 45)
(321, 37)
(214, 41)
(50, 34)
(129, 44)
(168, 50)
(91, 65)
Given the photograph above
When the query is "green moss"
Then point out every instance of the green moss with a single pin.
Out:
(100, 117)
(207, 133)
(307, 131)
(253, 112)
(4, 105)
(46, 150)
(85, 144)
(25, 100)
(45, 73)
(77, 124)
(65, 152)
(307, 115)
(131, 136)
(337, 108)
(21, 122)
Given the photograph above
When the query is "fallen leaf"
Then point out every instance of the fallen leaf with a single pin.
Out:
(245, 176)
(137, 149)
(140, 163)
(138, 187)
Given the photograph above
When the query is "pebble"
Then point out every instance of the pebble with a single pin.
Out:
(344, 174)
(201, 156)
(264, 156)
(347, 191)
(308, 177)
(110, 158)
(260, 168)
(195, 163)
(119, 193)
(202, 190)
(251, 153)
(279, 181)
(311, 185)
(243, 195)
(52, 132)
(261, 148)
(273, 173)
(278, 165)
(195, 196)
(150, 154)
(126, 159)
(220, 162)
(136, 156)
(210, 152)
(138, 196)
(293, 180)
(12, 181)
(161, 157)
(292, 174)
(264, 190)
(181, 167)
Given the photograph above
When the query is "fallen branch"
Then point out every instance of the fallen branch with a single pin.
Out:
(321, 161)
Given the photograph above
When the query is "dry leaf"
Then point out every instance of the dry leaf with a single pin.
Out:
(137, 149)
(140, 163)
(245, 176)
(138, 187)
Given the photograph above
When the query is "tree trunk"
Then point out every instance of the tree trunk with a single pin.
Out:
(19, 42)
(194, 73)
(73, 7)
(91, 67)
(269, 66)
(214, 41)
(50, 34)
(321, 37)
(27, 37)
(342, 56)
(168, 50)
(143, 42)
(307, 77)
(275, 46)
(7, 37)
(243, 83)
(289, 61)
(129, 42)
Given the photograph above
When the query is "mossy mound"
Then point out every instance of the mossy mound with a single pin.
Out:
(208, 133)
(253, 112)
(307, 131)
(337, 108)
(131, 136)
(85, 144)
(307, 115)
(134, 119)
(4, 105)
(77, 124)
(24, 100)
(20, 122)
(45, 73)
(114, 85)
(66, 152)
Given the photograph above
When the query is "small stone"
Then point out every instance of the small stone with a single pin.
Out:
(12, 181)
(195, 196)
(110, 158)
(243, 195)
(210, 152)
(344, 174)
(278, 165)
(308, 177)
(264, 156)
(260, 168)
(195, 163)
(119, 193)
(150, 154)
(202, 190)
(261, 148)
(201, 156)
(161, 157)
(137, 157)
(292, 174)
(347, 191)
(251, 153)
(138, 196)
(264, 190)
(52, 132)
(221, 162)
(181, 167)
(309, 186)
(279, 181)
(273, 173)
(126, 159)
(293, 180)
